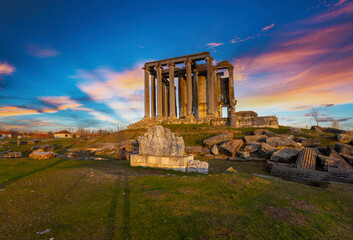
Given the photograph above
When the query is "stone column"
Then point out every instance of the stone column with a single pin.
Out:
(231, 82)
(147, 92)
(159, 92)
(171, 91)
(167, 105)
(153, 96)
(163, 101)
(189, 87)
(182, 96)
(195, 93)
(210, 98)
(214, 87)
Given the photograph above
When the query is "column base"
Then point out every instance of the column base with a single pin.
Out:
(190, 117)
(172, 118)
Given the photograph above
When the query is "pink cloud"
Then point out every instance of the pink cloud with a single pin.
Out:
(237, 39)
(268, 27)
(6, 69)
(41, 52)
(214, 44)
(313, 67)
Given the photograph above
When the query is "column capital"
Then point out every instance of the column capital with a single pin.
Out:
(196, 71)
(171, 65)
(231, 68)
(209, 58)
(158, 66)
(146, 68)
(187, 61)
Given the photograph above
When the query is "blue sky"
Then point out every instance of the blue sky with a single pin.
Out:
(78, 63)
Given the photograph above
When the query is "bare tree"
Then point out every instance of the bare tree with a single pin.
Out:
(315, 114)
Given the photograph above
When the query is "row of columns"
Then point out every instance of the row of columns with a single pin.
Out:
(210, 89)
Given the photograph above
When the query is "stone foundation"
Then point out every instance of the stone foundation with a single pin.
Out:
(167, 162)
(238, 120)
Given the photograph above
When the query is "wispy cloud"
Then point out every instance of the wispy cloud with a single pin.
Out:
(120, 91)
(214, 44)
(264, 29)
(268, 27)
(41, 51)
(313, 64)
(6, 69)
(8, 111)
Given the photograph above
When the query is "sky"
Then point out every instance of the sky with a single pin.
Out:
(68, 64)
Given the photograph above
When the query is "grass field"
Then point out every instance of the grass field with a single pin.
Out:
(110, 200)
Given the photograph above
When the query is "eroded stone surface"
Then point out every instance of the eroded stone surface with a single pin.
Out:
(281, 142)
(159, 141)
(197, 166)
(343, 149)
(43, 148)
(41, 155)
(345, 138)
(284, 155)
(231, 147)
(215, 150)
(255, 138)
(218, 139)
(9, 154)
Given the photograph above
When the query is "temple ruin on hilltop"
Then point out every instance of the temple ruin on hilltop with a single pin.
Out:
(191, 89)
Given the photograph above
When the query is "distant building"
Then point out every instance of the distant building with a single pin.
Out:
(63, 134)
(4, 134)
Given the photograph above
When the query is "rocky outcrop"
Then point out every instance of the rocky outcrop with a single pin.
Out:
(41, 155)
(159, 141)
(10, 154)
(217, 139)
(197, 166)
(231, 147)
(285, 155)
(43, 148)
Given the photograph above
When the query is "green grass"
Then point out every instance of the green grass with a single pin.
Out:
(110, 200)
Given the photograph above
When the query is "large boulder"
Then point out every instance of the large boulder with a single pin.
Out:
(231, 147)
(309, 142)
(281, 142)
(252, 147)
(243, 154)
(331, 152)
(255, 138)
(196, 150)
(266, 149)
(10, 154)
(342, 148)
(41, 155)
(43, 148)
(218, 139)
(265, 132)
(159, 141)
(197, 166)
(285, 155)
(344, 138)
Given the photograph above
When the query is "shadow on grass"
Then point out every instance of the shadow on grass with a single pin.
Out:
(126, 226)
(112, 211)
(12, 180)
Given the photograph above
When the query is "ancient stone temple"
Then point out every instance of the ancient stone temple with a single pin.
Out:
(191, 89)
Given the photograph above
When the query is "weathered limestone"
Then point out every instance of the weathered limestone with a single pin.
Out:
(10, 154)
(231, 147)
(160, 148)
(153, 96)
(43, 148)
(161, 141)
(171, 90)
(284, 155)
(159, 91)
(41, 155)
(306, 159)
(189, 87)
(218, 139)
(147, 93)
